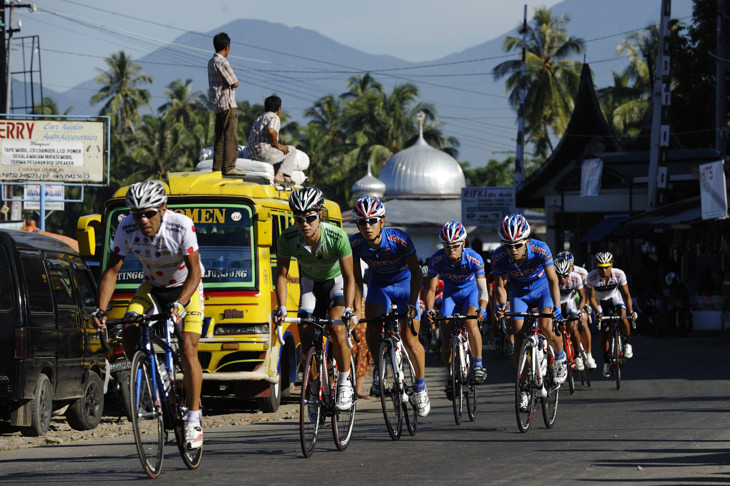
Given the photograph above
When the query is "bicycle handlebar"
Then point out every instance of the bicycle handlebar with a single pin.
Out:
(528, 314)
(454, 317)
(392, 317)
(318, 321)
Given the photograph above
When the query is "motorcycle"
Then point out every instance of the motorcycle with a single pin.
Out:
(117, 368)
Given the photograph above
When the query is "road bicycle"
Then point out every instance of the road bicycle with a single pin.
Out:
(117, 368)
(157, 395)
(532, 376)
(616, 345)
(571, 354)
(459, 372)
(319, 388)
(397, 376)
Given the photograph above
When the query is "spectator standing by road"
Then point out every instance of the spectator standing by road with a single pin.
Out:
(263, 141)
(221, 82)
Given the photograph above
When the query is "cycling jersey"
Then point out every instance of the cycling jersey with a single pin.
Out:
(387, 263)
(609, 288)
(582, 272)
(162, 255)
(571, 287)
(457, 276)
(531, 273)
(322, 264)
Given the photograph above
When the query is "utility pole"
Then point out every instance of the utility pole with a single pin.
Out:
(720, 60)
(7, 53)
(3, 72)
(520, 153)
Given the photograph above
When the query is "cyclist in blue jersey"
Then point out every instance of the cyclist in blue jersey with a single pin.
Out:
(395, 278)
(465, 292)
(527, 264)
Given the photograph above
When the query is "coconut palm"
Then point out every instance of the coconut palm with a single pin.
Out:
(182, 103)
(552, 79)
(121, 91)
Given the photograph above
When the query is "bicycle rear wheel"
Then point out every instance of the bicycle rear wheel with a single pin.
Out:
(147, 420)
(456, 379)
(390, 397)
(470, 391)
(191, 457)
(311, 413)
(410, 408)
(524, 383)
(550, 404)
(343, 420)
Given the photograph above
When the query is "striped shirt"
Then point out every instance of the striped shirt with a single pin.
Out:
(220, 80)
(259, 140)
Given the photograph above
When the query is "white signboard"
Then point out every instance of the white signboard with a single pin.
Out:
(713, 190)
(56, 149)
(486, 206)
(54, 197)
(591, 171)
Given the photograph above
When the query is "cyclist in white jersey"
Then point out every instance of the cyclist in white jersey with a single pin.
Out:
(585, 308)
(608, 287)
(166, 245)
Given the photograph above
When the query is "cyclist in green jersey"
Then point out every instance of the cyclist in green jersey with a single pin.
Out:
(327, 280)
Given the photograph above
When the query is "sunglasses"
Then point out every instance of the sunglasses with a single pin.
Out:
(149, 214)
(453, 246)
(370, 221)
(515, 246)
(309, 219)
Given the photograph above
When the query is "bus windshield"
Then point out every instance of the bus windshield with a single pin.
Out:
(225, 241)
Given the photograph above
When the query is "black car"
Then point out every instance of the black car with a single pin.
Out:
(50, 354)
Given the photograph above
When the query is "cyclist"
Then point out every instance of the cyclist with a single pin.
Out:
(465, 292)
(571, 285)
(166, 244)
(327, 282)
(608, 290)
(395, 278)
(527, 264)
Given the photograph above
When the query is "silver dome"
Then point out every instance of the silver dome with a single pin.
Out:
(368, 186)
(422, 171)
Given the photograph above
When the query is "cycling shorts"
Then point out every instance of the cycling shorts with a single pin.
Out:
(569, 308)
(319, 297)
(460, 301)
(609, 305)
(523, 299)
(165, 296)
(398, 293)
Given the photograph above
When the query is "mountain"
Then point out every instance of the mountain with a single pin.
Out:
(302, 66)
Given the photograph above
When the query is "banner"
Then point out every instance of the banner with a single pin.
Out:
(486, 206)
(713, 190)
(590, 177)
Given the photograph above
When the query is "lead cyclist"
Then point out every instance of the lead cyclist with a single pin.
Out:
(166, 244)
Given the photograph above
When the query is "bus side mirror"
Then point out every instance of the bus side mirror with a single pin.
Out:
(264, 231)
(86, 234)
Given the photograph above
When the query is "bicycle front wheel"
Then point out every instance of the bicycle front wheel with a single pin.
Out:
(311, 410)
(524, 387)
(550, 404)
(390, 396)
(456, 379)
(470, 392)
(410, 407)
(343, 420)
(147, 420)
(617, 356)
(191, 457)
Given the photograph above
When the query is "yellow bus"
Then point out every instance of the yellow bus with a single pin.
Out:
(237, 224)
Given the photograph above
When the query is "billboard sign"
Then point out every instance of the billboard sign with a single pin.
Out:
(54, 194)
(713, 190)
(52, 149)
(486, 206)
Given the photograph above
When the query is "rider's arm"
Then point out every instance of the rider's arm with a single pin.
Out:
(348, 280)
(592, 299)
(282, 273)
(583, 299)
(109, 282)
(430, 298)
(274, 136)
(500, 291)
(416, 279)
(357, 272)
(552, 278)
(627, 298)
(192, 261)
(483, 292)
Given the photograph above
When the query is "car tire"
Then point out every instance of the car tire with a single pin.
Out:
(41, 409)
(86, 411)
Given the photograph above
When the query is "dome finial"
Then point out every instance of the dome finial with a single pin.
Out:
(420, 116)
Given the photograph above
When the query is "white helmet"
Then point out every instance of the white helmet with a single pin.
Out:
(147, 194)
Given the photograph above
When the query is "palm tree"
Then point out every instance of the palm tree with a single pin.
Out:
(160, 147)
(552, 79)
(182, 102)
(49, 107)
(121, 91)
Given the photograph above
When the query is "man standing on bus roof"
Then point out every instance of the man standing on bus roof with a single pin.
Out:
(327, 282)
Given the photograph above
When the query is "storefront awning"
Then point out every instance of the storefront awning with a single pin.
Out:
(604, 228)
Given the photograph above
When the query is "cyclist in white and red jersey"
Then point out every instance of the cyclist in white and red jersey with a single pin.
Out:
(166, 244)
(608, 289)
(584, 307)
(571, 286)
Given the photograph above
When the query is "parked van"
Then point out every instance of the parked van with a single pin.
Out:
(50, 354)
(237, 223)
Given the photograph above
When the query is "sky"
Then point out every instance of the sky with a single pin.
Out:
(75, 35)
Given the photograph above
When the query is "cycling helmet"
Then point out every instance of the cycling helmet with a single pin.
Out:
(565, 255)
(562, 267)
(670, 278)
(603, 259)
(147, 194)
(453, 232)
(306, 199)
(368, 207)
(514, 228)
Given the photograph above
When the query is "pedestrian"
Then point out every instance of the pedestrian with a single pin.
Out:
(263, 141)
(222, 82)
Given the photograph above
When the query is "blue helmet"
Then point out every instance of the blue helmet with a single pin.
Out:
(565, 255)
(514, 228)
(368, 207)
(453, 232)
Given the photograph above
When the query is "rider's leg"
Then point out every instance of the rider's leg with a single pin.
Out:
(445, 330)
(585, 333)
(517, 333)
(338, 338)
(546, 327)
(193, 378)
(414, 348)
(475, 337)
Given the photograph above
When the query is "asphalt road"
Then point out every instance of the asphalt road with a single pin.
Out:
(667, 425)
